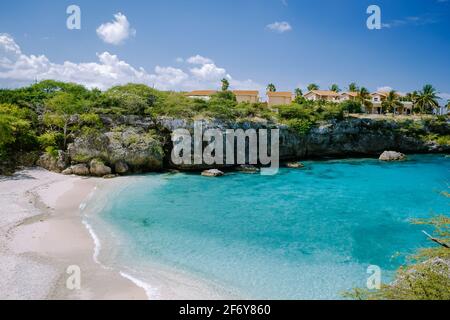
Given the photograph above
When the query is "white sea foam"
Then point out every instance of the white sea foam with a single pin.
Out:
(151, 292)
(97, 243)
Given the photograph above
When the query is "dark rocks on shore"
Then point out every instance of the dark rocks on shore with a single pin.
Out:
(98, 168)
(80, 169)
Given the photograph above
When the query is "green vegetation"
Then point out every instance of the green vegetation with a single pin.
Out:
(271, 88)
(428, 275)
(312, 87)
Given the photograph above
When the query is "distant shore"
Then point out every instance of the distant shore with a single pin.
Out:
(41, 235)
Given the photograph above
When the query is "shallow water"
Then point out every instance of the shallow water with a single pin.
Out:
(301, 234)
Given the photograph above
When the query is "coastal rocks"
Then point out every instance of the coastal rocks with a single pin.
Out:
(212, 173)
(121, 167)
(80, 169)
(67, 171)
(392, 156)
(55, 163)
(247, 169)
(129, 147)
(98, 168)
(295, 165)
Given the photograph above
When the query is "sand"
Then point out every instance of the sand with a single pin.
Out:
(42, 235)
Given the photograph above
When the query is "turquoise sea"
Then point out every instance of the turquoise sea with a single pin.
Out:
(301, 234)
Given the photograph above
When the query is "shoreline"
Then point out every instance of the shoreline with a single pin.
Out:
(42, 235)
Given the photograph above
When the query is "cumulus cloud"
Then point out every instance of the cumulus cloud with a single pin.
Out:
(279, 27)
(117, 31)
(384, 89)
(198, 59)
(18, 69)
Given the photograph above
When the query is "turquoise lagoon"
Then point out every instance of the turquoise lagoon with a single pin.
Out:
(301, 234)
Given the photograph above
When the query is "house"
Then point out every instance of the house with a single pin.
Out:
(279, 98)
(327, 95)
(345, 96)
(377, 107)
(200, 94)
(246, 96)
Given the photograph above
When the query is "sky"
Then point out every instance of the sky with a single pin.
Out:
(186, 45)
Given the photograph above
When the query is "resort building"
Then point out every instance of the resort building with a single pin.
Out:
(326, 95)
(246, 96)
(279, 98)
(377, 108)
(345, 96)
(200, 94)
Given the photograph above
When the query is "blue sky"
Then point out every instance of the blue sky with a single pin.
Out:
(327, 42)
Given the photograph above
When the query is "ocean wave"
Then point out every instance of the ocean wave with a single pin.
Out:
(151, 292)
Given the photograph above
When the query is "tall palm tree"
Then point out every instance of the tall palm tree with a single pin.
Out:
(271, 87)
(392, 102)
(353, 87)
(312, 87)
(225, 84)
(334, 87)
(298, 93)
(364, 97)
(412, 97)
(427, 99)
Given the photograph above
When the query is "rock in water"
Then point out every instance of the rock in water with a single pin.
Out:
(99, 169)
(295, 165)
(392, 156)
(80, 170)
(247, 169)
(212, 173)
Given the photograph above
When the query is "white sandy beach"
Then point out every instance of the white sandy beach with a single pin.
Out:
(41, 235)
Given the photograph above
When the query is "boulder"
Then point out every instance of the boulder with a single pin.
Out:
(67, 172)
(392, 156)
(121, 167)
(295, 165)
(80, 170)
(138, 149)
(212, 173)
(98, 168)
(247, 169)
(55, 163)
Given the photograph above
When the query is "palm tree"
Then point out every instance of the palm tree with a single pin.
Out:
(427, 99)
(225, 84)
(312, 87)
(364, 98)
(334, 87)
(412, 97)
(271, 87)
(298, 93)
(353, 87)
(392, 102)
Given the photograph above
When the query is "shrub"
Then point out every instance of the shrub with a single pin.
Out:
(50, 139)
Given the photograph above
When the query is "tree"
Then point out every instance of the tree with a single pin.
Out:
(427, 99)
(59, 111)
(353, 87)
(392, 102)
(225, 84)
(298, 93)
(312, 87)
(271, 88)
(364, 98)
(334, 87)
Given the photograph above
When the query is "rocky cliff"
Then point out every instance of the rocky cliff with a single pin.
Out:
(142, 144)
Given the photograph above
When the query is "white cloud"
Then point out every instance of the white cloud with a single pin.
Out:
(384, 89)
(18, 69)
(117, 31)
(279, 27)
(198, 59)
(412, 20)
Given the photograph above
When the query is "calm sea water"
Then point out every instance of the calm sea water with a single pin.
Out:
(301, 234)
